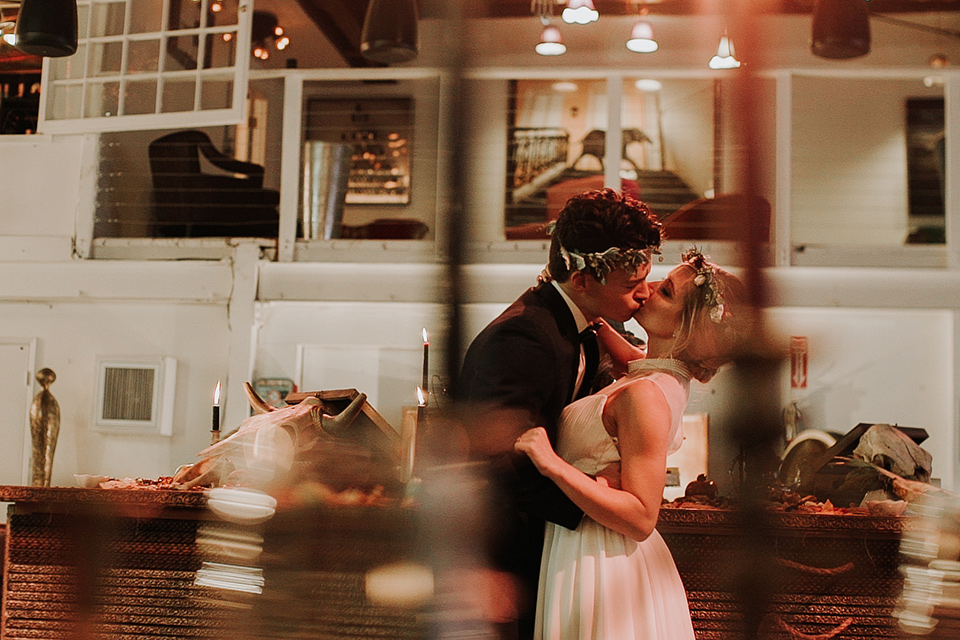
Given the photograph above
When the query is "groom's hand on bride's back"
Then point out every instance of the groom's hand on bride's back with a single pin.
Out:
(610, 476)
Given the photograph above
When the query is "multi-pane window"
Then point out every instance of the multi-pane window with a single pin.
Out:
(150, 64)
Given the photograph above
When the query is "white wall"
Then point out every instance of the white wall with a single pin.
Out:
(41, 177)
(877, 366)
(72, 334)
(850, 160)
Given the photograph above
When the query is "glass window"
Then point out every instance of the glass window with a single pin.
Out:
(180, 56)
(364, 175)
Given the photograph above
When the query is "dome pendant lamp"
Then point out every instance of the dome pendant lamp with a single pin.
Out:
(551, 42)
(47, 28)
(841, 29)
(641, 38)
(390, 31)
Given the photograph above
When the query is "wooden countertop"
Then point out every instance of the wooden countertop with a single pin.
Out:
(684, 520)
(671, 520)
(81, 496)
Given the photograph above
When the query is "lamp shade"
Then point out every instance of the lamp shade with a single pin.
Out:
(580, 12)
(47, 28)
(841, 29)
(641, 38)
(551, 42)
(725, 58)
(390, 31)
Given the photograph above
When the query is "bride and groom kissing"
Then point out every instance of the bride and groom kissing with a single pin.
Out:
(578, 472)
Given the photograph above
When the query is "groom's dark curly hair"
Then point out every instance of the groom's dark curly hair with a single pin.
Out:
(594, 221)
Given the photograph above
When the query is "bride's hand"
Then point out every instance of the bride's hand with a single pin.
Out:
(536, 445)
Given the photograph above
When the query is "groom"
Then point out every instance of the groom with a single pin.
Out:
(531, 361)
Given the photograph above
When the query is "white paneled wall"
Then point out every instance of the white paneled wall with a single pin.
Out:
(72, 335)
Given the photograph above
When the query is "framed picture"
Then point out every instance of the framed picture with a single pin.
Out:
(274, 391)
(926, 165)
(380, 132)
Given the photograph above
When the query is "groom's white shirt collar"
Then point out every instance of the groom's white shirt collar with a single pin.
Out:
(578, 316)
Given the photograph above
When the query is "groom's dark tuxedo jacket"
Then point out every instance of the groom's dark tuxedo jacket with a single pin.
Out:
(526, 361)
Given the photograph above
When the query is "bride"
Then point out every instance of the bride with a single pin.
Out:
(613, 577)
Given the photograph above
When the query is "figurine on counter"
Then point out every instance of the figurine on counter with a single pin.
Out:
(695, 322)
(44, 428)
(537, 357)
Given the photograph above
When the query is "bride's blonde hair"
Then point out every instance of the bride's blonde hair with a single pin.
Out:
(713, 319)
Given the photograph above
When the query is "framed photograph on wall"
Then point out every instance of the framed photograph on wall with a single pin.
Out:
(380, 132)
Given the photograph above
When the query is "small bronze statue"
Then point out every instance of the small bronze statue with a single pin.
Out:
(44, 428)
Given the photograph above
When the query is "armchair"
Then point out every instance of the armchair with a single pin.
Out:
(190, 203)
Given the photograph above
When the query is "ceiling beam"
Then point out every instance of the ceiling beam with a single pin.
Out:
(341, 21)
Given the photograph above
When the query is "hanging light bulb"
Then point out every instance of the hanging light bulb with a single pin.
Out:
(8, 36)
(725, 58)
(551, 42)
(936, 61)
(580, 12)
(6, 29)
(649, 85)
(267, 34)
(641, 38)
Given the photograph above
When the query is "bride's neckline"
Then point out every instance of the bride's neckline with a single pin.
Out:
(667, 365)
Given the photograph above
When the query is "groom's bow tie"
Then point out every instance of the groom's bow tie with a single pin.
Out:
(591, 353)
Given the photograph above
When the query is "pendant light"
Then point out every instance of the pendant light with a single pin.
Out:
(841, 29)
(390, 31)
(725, 58)
(551, 42)
(641, 38)
(47, 28)
(580, 12)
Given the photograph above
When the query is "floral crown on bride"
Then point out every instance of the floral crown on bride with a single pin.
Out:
(706, 277)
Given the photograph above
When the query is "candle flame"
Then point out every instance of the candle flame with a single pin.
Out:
(426, 339)
(420, 399)
(216, 394)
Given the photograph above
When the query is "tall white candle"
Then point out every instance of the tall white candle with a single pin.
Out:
(408, 443)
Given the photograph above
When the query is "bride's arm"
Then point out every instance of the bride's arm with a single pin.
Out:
(642, 417)
(621, 350)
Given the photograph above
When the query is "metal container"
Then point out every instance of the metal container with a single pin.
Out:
(326, 168)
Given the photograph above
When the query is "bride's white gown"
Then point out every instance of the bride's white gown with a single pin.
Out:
(596, 583)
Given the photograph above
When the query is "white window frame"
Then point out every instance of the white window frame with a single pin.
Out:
(197, 117)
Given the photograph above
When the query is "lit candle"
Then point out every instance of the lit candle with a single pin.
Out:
(425, 378)
(215, 427)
